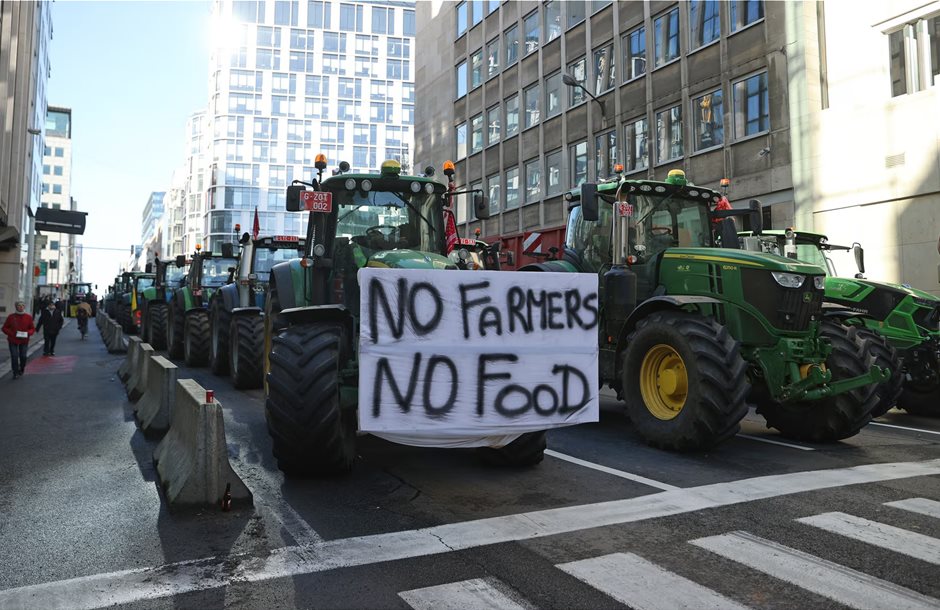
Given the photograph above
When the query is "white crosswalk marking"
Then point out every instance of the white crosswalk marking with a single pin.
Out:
(888, 537)
(476, 594)
(643, 585)
(838, 583)
(923, 506)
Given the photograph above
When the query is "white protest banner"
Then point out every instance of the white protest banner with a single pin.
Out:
(453, 354)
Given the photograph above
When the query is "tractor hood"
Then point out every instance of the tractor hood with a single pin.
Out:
(907, 290)
(745, 258)
(409, 259)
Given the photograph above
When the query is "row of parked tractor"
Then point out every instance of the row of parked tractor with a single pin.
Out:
(697, 319)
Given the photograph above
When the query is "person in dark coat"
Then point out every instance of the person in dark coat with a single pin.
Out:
(50, 321)
(18, 327)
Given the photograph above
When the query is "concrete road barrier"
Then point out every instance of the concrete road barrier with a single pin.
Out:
(109, 333)
(192, 459)
(130, 361)
(137, 382)
(155, 408)
(116, 344)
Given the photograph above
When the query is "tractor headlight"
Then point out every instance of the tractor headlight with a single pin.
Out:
(350, 184)
(788, 280)
(319, 250)
(428, 188)
(819, 281)
(463, 254)
(367, 185)
(415, 187)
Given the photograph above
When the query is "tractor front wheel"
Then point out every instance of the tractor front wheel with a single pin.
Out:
(246, 351)
(219, 322)
(684, 381)
(883, 354)
(835, 417)
(196, 338)
(174, 330)
(311, 432)
(156, 324)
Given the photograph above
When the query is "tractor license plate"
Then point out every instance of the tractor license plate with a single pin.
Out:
(317, 201)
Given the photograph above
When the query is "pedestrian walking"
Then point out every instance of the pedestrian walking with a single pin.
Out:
(82, 313)
(18, 328)
(51, 322)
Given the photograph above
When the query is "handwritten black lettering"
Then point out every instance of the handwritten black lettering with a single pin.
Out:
(395, 324)
(491, 318)
(537, 405)
(441, 411)
(507, 391)
(422, 328)
(515, 300)
(382, 370)
(566, 371)
(586, 304)
(539, 302)
(554, 310)
(465, 305)
(483, 376)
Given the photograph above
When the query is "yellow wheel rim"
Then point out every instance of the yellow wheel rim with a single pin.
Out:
(664, 382)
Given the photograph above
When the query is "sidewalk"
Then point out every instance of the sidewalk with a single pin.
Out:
(35, 343)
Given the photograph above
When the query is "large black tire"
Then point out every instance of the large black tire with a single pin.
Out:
(527, 450)
(157, 320)
(834, 417)
(246, 351)
(920, 400)
(196, 338)
(710, 368)
(174, 330)
(144, 325)
(219, 322)
(883, 354)
(124, 318)
(311, 434)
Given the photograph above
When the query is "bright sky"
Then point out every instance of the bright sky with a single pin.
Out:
(132, 73)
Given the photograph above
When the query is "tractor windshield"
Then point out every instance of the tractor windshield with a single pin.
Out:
(215, 271)
(807, 251)
(174, 275)
(590, 239)
(266, 258)
(667, 221)
(144, 283)
(385, 220)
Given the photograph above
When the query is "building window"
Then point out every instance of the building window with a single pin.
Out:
(461, 19)
(367, 45)
(751, 106)
(492, 58)
(45, 188)
(553, 95)
(492, 125)
(914, 56)
(533, 181)
(745, 12)
(666, 33)
(492, 5)
(350, 17)
(512, 115)
(46, 151)
(634, 53)
(512, 188)
(604, 73)
(59, 151)
(531, 27)
(398, 69)
(408, 25)
(597, 5)
(56, 189)
(53, 245)
(383, 20)
(576, 12)
(399, 47)
(476, 69)
(492, 192)
(531, 106)
(552, 14)
(318, 14)
(511, 38)
(46, 169)
(336, 64)
(461, 79)
(669, 134)
(554, 183)
(704, 23)
(708, 121)
(577, 69)
(350, 87)
(476, 12)
(461, 141)
(579, 163)
(301, 40)
(476, 134)
(605, 154)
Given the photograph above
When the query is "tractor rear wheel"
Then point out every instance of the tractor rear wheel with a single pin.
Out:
(246, 351)
(835, 417)
(174, 330)
(311, 433)
(219, 322)
(124, 318)
(684, 381)
(157, 314)
(196, 338)
(883, 354)
(527, 450)
(144, 324)
(920, 401)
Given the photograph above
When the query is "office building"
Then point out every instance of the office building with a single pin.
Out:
(56, 256)
(150, 218)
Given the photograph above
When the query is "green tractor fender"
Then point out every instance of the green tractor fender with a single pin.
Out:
(659, 303)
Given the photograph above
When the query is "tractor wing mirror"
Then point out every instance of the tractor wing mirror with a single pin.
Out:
(859, 253)
(293, 197)
(728, 232)
(756, 217)
(180, 261)
(228, 250)
(481, 207)
(589, 202)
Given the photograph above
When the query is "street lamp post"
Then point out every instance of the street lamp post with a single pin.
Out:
(573, 82)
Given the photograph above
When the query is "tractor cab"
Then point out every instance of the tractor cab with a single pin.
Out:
(258, 257)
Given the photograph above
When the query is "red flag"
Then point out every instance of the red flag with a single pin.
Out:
(256, 227)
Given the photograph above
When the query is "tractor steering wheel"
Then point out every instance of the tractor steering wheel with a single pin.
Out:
(657, 230)
(378, 237)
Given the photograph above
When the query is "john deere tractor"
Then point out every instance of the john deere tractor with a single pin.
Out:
(907, 317)
(236, 310)
(383, 220)
(154, 300)
(691, 332)
(77, 294)
(188, 323)
(126, 309)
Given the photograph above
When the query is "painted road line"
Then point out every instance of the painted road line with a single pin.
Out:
(617, 473)
(643, 585)
(476, 594)
(773, 442)
(213, 572)
(874, 423)
(931, 508)
(878, 534)
(831, 580)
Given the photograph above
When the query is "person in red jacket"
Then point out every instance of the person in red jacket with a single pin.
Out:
(18, 328)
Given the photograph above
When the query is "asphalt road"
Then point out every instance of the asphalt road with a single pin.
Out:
(604, 521)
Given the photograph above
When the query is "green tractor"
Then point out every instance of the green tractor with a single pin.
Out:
(187, 326)
(908, 318)
(691, 332)
(153, 302)
(111, 299)
(127, 312)
(312, 318)
(77, 293)
(236, 310)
